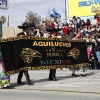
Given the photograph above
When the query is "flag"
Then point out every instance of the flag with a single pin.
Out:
(54, 14)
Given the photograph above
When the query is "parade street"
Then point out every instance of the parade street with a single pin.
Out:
(66, 88)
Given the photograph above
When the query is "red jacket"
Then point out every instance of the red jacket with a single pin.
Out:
(65, 30)
(52, 24)
(88, 23)
(98, 19)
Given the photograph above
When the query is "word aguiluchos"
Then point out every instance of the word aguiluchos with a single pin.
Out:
(61, 44)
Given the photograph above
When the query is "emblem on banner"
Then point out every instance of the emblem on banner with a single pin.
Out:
(74, 53)
(28, 54)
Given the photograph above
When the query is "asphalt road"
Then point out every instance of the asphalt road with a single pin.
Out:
(66, 88)
(45, 95)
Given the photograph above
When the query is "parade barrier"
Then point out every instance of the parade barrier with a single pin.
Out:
(35, 53)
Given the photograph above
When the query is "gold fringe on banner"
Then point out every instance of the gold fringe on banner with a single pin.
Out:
(37, 38)
(76, 66)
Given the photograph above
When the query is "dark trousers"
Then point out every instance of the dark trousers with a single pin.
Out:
(21, 74)
(92, 65)
(52, 74)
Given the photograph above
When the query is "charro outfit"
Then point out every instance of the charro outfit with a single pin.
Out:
(52, 73)
(25, 25)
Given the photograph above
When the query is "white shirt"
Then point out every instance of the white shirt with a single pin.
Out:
(58, 36)
(45, 35)
(93, 40)
(78, 21)
(25, 33)
(94, 22)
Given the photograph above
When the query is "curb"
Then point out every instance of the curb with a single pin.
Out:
(59, 91)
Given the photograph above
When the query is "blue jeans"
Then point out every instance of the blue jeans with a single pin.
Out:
(75, 26)
(98, 56)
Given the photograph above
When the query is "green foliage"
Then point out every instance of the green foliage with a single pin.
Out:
(33, 16)
(3, 19)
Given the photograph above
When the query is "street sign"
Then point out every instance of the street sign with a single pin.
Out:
(4, 4)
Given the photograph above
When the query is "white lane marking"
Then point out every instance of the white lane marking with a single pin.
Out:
(31, 77)
(90, 79)
(87, 83)
(61, 85)
(70, 85)
(97, 73)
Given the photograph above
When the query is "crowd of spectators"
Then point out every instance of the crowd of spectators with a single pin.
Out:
(77, 29)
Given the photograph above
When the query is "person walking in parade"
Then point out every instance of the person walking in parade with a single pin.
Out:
(26, 29)
(53, 30)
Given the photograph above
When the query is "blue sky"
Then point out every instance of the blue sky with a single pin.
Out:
(17, 13)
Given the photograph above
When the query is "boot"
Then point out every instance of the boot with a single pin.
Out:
(19, 78)
(52, 74)
(27, 78)
(29, 82)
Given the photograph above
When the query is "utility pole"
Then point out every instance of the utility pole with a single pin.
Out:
(65, 13)
(8, 20)
(1, 28)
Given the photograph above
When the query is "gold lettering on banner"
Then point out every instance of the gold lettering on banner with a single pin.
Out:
(56, 44)
(68, 44)
(45, 44)
(54, 55)
(35, 43)
(49, 43)
(40, 44)
(52, 44)
(60, 44)
(49, 55)
(53, 50)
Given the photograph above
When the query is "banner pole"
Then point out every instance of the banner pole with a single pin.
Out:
(65, 12)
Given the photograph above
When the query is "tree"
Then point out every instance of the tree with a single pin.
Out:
(33, 16)
(47, 21)
(48, 14)
(3, 19)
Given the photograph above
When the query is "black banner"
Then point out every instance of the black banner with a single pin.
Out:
(34, 53)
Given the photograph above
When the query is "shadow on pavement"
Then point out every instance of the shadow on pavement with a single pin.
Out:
(46, 79)
(64, 77)
(17, 85)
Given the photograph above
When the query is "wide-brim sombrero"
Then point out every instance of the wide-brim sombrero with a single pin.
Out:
(24, 25)
(53, 29)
